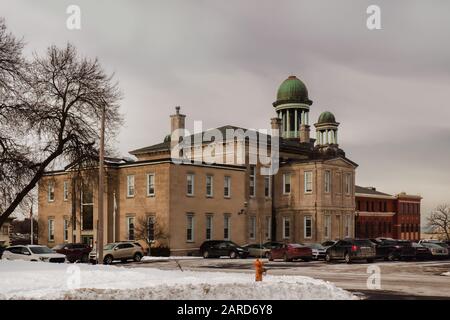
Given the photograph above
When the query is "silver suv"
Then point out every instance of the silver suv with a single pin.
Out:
(123, 251)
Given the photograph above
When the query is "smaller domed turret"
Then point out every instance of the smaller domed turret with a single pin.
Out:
(326, 130)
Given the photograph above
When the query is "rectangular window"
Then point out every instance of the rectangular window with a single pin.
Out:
(268, 228)
(327, 227)
(286, 183)
(66, 190)
(51, 230)
(308, 227)
(151, 221)
(308, 182)
(151, 184)
(209, 226)
(87, 208)
(348, 222)
(348, 183)
(286, 228)
(51, 191)
(190, 227)
(130, 228)
(190, 184)
(338, 182)
(252, 181)
(327, 181)
(252, 228)
(209, 186)
(66, 230)
(226, 227)
(227, 187)
(267, 186)
(130, 186)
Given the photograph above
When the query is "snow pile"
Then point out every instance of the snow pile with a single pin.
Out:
(152, 258)
(446, 274)
(38, 280)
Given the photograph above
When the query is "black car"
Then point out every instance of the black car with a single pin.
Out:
(391, 249)
(350, 250)
(421, 252)
(219, 248)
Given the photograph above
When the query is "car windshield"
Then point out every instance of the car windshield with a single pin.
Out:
(363, 243)
(40, 250)
(314, 245)
(416, 245)
(109, 246)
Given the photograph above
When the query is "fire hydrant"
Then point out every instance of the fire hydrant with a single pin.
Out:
(259, 270)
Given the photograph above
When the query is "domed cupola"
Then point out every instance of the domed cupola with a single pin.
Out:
(326, 130)
(292, 107)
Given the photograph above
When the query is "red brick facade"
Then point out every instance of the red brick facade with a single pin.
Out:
(382, 215)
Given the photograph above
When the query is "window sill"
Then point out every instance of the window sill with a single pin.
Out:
(150, 195)
(227, 197)
(130, 197)
(190, 195)
(209, 197)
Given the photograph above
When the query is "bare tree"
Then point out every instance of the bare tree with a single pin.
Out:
(50, 117)
(439, 220)
(158, 230)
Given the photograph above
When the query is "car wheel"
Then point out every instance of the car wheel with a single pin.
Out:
(233, 255)
(391, 257)
(267, 255)
(327, 258)
(137, 257)
(108, 259)
(84, 258)
(347, 258)
(206, 254)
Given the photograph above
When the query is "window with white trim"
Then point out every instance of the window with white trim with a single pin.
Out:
(348, 223)
(190, 184)
(348, 183)
(308, 227)
(51, 191)
(130, 186)
(286, 228)
(252, 227)
(268, 228)
(252, 190)
(327, 182)
(308, 182)
(286, 183)
(151, 222)
(51, 230)
(66, 230)
(226, 227)
(209, 226)
(209, 185)
(65, 190)
(151, 184)
(227, 187)
(267, 186)
(130, 228)
(327, 226)
(190, 227)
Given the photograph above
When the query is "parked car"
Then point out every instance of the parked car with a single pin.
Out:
(421, 252)
(219, 248)
(257, 250)
(437, 251)
(2, 248)
(391, 249)
(33, 253)
(350, 250)
(291, 251)
(318, 250)
(122, 251)
(443, 244)
(74, 251)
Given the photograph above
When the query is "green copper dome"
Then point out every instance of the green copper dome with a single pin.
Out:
(326, 117)
(292, 90)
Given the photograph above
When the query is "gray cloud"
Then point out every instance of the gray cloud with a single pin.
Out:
(222, 61)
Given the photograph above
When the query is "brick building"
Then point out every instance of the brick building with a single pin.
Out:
(380, 214)
(310, 199)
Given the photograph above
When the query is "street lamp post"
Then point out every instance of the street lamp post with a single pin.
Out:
(101, 177)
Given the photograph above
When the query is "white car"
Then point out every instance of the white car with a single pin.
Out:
(33, 253)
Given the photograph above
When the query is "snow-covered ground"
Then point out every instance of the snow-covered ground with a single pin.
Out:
(39, 280)
(446, 274)
(152, 258)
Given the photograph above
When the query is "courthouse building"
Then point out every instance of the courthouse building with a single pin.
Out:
(310, 199)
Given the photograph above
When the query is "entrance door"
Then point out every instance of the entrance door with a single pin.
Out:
(89, 240)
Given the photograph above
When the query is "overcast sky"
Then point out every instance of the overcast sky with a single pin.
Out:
(222, 62)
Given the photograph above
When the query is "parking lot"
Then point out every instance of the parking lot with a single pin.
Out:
(398, 280)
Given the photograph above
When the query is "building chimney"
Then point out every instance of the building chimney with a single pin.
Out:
(304, 133)
(275, 124)
(176, 122)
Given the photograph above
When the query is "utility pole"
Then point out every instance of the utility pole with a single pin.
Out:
(101, 177)
(31, 224)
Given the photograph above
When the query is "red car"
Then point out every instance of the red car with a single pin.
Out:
(74, 251)
(290, 251)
